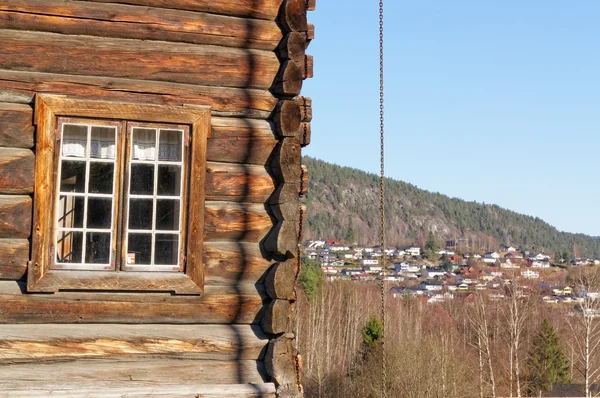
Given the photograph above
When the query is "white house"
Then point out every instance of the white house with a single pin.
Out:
(539, 263)
(339, 248)
(430, 286)
(529, 274)
(368, 261)
(413, 251)
(430, 273)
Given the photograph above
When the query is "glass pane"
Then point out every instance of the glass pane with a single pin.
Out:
(101, 177)
(144, 144)
(140, 214)
(167, 214)
(97, 250)
(166, 250)
(72, 176)
(74, 142)
(99, 213)
(142, 179)
(169, 180)
(139, 249)
(70, 211)
(102, 145)
(169, 148)
(69, 247)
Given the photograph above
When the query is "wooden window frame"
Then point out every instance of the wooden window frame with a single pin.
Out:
(40, 278)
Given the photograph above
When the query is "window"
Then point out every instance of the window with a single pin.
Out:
(119, 196)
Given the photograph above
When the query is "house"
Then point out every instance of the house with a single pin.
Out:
(368, 262)
(508, 249)
(529, 274)
(534, 263)
(372, 269)
(147, 151)
(430, 286)
(490, 257)
(315, 244)
(339, 248)
(431, 273)
(413, 251)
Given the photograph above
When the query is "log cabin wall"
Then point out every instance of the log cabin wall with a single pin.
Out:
(246, 60)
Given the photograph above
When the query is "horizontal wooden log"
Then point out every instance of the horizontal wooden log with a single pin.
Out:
(286, 160)
(218, 305)
(303, 181)
(277, 317)
(280, 363)
(16, 126)
(293, 47)
(146, 23)
(283, 239)
(16, 171)
(137, 59)
(293, 16)
(241, 150)
(190, 390)
(230, 128)
(21, 87)
(15, 216)
(239, 183)
(234, 263)
(14, 255)
(50, 342)
(287, 118)
(281, 280)
(224, 221)
(305, 104)
(263, 9)
(138, 372)
(289, 79)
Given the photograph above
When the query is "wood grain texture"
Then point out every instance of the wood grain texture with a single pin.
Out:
(14, 254)
(263, 9)
(16, 171)
(277, 317)
(286, 160)
(146, 23)
(304, 134)
(50, 342)
(101, 373)
(238, 182)
(293, 16)
(289, 79)
(189, 390)
(287, 118)
(21, 87)
(16, 125)
(136, 59)
(281, 280)
(283, 239)
(238, 140)
(15, 216)
(280, 362)
(234, 263)
(218, 305)
(305, 104)
(245, 222)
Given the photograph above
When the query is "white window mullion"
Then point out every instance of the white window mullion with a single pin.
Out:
(86, 190)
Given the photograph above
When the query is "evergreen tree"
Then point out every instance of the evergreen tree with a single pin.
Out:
(547, 365)
(373, 331)
(431, 247)
(311, 277)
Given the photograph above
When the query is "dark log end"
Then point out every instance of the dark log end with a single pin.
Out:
(286, 160)
(293, 16)
(289, 79)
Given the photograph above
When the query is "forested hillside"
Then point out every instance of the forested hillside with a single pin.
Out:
(343, 203)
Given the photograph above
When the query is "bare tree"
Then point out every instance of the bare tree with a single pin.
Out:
(480, 327)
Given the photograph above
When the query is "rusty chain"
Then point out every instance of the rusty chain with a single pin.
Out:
(382, 204)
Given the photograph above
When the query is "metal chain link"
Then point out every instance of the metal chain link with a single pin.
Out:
(382, 204)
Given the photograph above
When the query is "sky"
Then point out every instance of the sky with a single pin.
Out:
(487, 101)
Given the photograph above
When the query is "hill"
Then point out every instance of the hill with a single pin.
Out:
(343, 203)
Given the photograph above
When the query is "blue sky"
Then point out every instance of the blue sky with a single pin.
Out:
(493, 101)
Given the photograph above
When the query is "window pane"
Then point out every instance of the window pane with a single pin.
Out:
(166, 252)
(142, 179)
(167, 214)
(101, 177)
(69, 247)
(169, 180)
(102, 145)
(144, 144)
(170, 145)
(99, 213)
(139, 249)
(140, 214)
(70, 211)
(97, 250)
(72, 176)
(74, 141)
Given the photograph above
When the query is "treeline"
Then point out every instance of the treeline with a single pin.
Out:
(343, 203)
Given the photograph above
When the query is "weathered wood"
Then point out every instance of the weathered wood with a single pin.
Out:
(308, 69)
(16, 125)
(236, 182)
(238, 128)
(234, 263)
(281, 280)
(131, 373)
(286, 160)
(287, 118)
(304, 134)
(305, 104)
(16, 171)
(146, 23)
(285, 193)
(241, 150)
(263, 9)
(280, 362)
(146, 60)
(311, 5)
(293, 47)
(248, 222)
(303, 181)
(14, 254)
(289, 79)
(310, 33)
(293, 16)
(240, 305)
(21, 87)
(50, 342)
(190, 390)
(15, 216)
(277, 317)
(283, 239)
